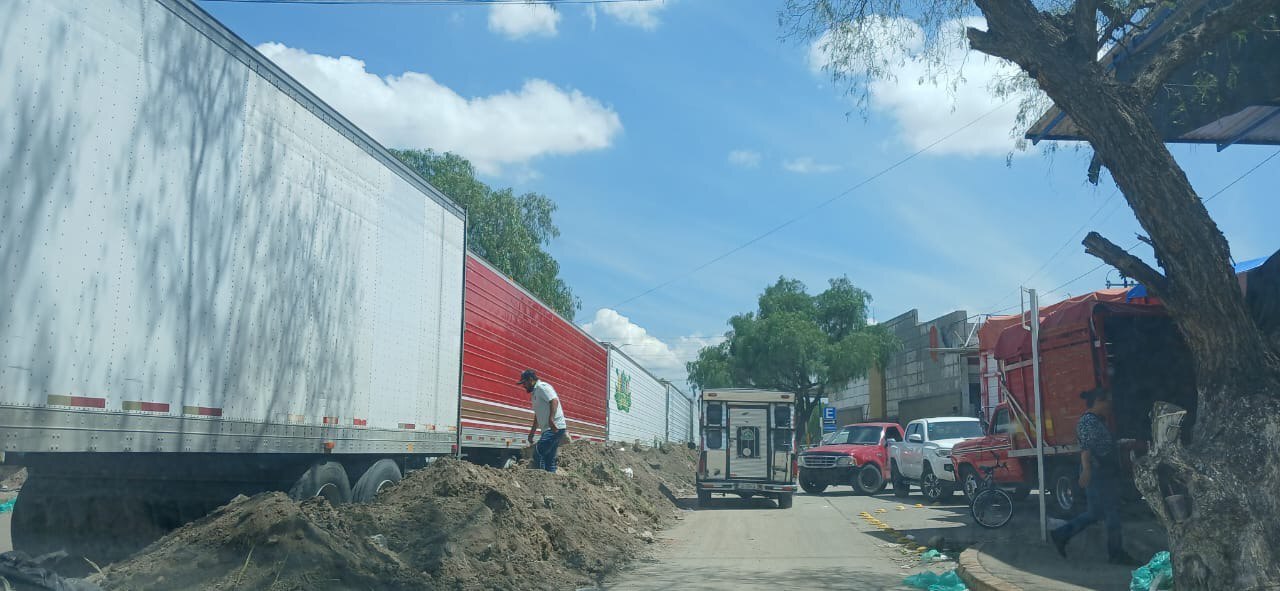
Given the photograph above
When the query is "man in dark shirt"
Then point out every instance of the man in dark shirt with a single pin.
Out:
(1100, 478)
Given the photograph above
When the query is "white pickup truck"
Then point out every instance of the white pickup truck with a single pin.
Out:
(924, 459)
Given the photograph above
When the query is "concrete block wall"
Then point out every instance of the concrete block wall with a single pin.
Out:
(927, 378)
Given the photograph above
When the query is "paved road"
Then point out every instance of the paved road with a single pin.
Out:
(6, 543)
(821, 542)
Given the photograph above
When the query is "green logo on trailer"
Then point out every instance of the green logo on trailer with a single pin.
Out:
(622, 391)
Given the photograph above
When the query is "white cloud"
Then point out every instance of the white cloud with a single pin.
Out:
(744, 158)
(642, 15)
(412, 110)
(665, 360)
(924, 97)
(807, 165)
(518, 21)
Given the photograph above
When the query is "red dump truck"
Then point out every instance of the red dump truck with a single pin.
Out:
(1103, 339)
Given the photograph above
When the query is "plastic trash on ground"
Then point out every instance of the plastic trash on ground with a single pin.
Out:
(7, 506)
(933, 556)
(931, 581)
(1156, 575)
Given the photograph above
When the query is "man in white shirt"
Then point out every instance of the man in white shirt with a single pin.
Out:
(548, 416)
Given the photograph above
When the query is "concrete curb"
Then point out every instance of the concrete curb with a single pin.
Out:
(976, 577)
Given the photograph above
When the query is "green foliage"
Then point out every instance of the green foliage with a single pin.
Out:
(796, 342)
(508, 230)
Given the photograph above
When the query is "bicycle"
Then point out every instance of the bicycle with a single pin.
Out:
(992, 507)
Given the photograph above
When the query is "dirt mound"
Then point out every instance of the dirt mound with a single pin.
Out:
(265, 542)
(453, 525)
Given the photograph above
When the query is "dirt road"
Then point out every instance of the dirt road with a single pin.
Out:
(820, 543)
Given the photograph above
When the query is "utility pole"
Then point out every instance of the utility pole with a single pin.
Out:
(1034, 319)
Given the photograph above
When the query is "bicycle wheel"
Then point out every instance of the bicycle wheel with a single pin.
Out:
(992, 508)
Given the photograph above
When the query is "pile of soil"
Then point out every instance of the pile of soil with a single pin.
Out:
(452, 525)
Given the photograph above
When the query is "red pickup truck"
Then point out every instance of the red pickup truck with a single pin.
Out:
(1131, 348)
(857, 456)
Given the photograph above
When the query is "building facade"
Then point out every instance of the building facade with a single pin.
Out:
(935, 373)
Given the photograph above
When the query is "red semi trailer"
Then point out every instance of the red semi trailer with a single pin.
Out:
(509, 330)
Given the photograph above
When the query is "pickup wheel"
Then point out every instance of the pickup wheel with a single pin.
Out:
(932, 487)
(900, 487)
(869, 480)
(810, 485)
(969, 481)
(785, 500)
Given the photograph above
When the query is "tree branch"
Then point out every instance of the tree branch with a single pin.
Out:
(1128, 264)
(1192, 44)
(1085, 17)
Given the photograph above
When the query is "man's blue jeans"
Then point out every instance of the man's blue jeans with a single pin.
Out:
(1103, 494)
(544, 451)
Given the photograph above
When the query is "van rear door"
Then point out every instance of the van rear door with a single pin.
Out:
(748, 441)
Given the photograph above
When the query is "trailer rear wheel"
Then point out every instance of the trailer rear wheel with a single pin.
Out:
(785, 500)
(323, 479)
(704, 498)
(382, 474)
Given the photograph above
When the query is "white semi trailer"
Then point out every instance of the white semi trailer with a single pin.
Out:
(211, 283)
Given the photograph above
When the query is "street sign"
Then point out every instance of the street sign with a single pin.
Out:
(828, 427)
(829, 414)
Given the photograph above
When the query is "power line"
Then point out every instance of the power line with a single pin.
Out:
(432, 2)
(1215, 195)
(1238, 179)
(812, 209)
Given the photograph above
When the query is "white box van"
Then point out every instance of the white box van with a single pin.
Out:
(748, 445)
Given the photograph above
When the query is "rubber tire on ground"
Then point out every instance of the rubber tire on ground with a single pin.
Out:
(901, 489)
(809, 485)
(323, 479)
(969, 482)
(785, 500)
(381, 474)
(932, 491)
(869, 480)
(987, 498)
(1064, 477)
(704, 498)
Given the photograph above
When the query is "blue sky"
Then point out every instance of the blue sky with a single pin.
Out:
(671, 132)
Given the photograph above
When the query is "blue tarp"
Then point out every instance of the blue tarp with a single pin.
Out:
(1140, 291)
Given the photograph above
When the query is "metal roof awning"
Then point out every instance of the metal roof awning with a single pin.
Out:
(1244, 107)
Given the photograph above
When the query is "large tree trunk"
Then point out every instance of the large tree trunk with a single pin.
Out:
(1229, 469)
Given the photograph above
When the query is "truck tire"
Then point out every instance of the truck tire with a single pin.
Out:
(932, 487)
(382, 474)
(969, 481)
(323, 479)
(810, 485)
(1066, 498)
(869, 480)
(785, 500)
(900, 487)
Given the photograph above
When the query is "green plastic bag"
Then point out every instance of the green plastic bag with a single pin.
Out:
(931, 581)
(1156, 575)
